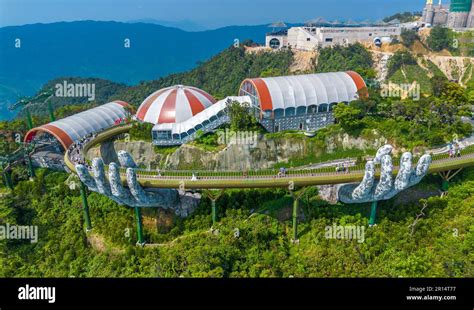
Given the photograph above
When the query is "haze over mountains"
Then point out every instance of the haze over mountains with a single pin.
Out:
(185, 24)
(99, 49)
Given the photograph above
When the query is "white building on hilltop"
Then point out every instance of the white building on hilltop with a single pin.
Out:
(310, 38)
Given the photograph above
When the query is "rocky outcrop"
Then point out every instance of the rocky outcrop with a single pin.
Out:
(265, 153)
(381, 64)
(187, 203)
(344, 141)
(142, 152)
(455, 68)
(329, 193)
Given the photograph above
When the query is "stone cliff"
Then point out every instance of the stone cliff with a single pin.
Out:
(264, 154)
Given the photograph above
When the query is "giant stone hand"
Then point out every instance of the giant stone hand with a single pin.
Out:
(386, 188)
(134, 195)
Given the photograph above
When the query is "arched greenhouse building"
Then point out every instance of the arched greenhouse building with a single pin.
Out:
(302, 102)
(73, 128)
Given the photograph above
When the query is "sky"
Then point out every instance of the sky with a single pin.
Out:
(207, 13)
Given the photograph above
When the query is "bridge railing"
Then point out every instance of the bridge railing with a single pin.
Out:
(266, 174)
(251, 174)
(275, 173)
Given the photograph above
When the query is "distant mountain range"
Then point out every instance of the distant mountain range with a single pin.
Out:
(31, 55)
(186, 25)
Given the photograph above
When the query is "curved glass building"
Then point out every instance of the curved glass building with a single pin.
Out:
(302, 102)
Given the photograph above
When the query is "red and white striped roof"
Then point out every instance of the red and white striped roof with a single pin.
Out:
(174, 104)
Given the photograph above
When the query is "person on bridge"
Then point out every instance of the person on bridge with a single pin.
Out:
(457, 147)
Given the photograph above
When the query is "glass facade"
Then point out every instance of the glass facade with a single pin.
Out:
(162, 135)
(247, 89)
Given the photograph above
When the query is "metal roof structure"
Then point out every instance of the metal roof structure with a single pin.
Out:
(73, 128)
(303, 90)
(174, 104)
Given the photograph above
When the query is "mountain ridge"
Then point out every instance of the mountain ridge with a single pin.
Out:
(98, 49)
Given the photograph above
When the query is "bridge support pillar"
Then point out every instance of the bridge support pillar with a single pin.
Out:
(296, 198)
(295, 219)
(214, 211)
(31, 169)
(448, 176)
(373, 213)
(445, 186)
(85, 207)
(213, 197)
(7, 178)
(138, 215)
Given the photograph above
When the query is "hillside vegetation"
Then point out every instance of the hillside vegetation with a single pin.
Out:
(439, 244)
(353, 57)
(220, 76)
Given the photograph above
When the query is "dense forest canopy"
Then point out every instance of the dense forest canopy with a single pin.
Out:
(220, 76)
(339, 58)
(438, 245)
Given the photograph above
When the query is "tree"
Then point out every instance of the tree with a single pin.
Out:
(470, 91)
(398, 60)
(141, 131)
(437, 84)
(343, 58)
(440, 38)
(454, 94)
(270, 72)
(409, 37)
(241, 118)
(348, 116)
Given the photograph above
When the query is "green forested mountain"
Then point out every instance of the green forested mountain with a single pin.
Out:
(353, 57)
(393, 117)
(31, 55)
(220, 76)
